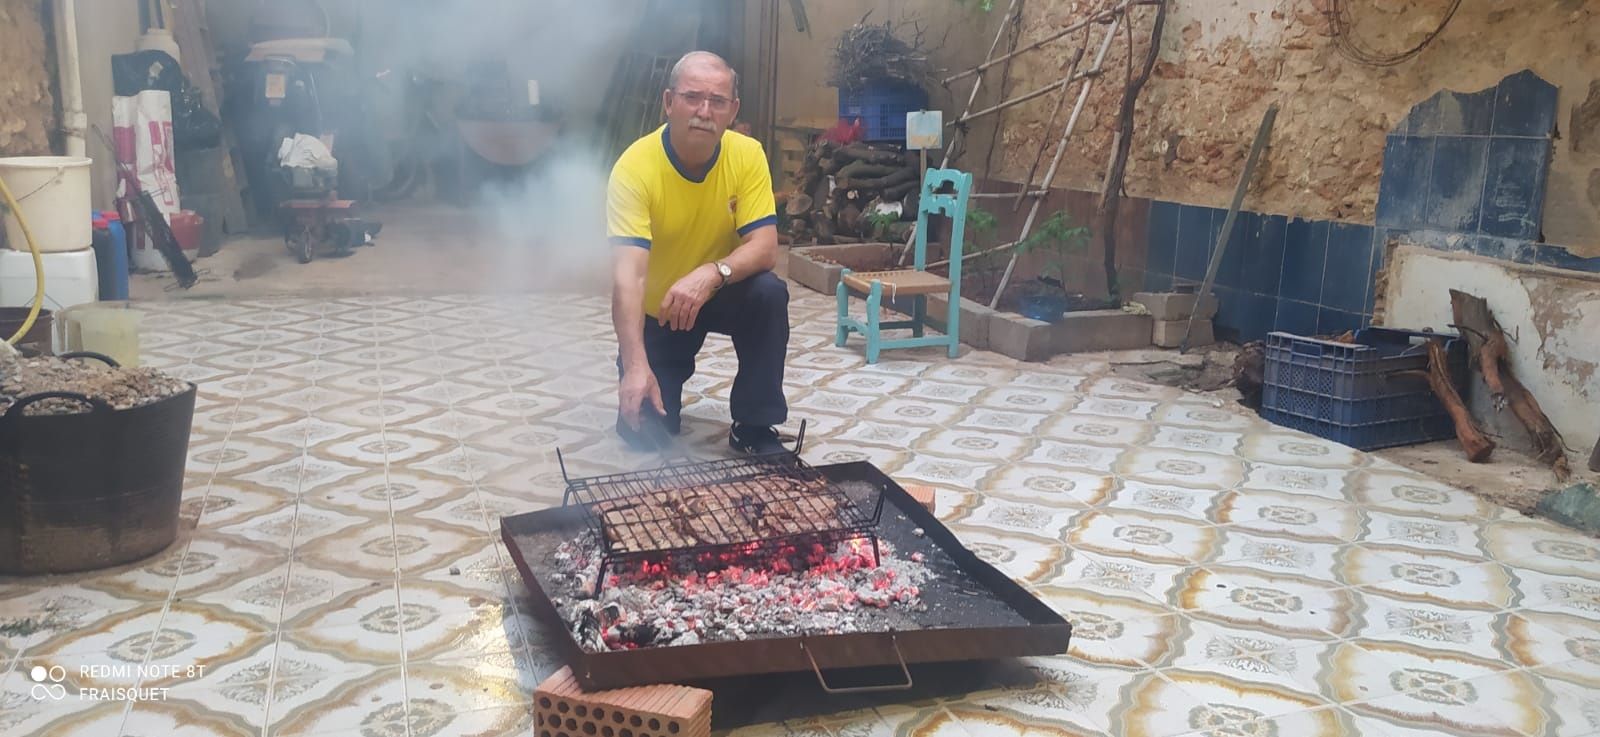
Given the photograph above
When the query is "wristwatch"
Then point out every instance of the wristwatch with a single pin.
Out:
(726, 271)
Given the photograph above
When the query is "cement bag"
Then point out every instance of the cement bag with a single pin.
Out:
(142, 126)
(142, 131)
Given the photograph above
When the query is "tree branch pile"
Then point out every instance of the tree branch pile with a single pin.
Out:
(870, 53)
(853, 193)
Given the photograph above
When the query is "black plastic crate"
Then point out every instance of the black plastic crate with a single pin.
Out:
(1367, 395)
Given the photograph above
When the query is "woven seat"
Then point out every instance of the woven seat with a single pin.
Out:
(896, 283)
(907, 290)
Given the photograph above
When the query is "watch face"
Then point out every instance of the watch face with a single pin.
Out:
(724, 269)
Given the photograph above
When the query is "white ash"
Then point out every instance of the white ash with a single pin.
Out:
(688, 607)
(122, 388)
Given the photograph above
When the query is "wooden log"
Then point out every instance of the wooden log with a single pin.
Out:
(799, 204)
(865, 153)
(1477, 445)
(899, 176)
(899, 191)
(863, 170)
(1488, 343)
(850, 220)
(823, 225)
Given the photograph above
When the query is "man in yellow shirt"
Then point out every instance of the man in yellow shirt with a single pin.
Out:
(693, 226)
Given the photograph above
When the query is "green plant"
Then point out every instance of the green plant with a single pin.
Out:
(881, 221)
(980, 224)
(1059, 239)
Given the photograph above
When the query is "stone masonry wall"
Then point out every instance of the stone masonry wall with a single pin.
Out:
(27, 107)
(1223, 61)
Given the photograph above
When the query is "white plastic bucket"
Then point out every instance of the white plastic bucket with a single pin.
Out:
(53, 193)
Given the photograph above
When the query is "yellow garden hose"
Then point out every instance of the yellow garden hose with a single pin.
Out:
(38, 263)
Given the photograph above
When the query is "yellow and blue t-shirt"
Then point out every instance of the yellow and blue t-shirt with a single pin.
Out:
(686, 221)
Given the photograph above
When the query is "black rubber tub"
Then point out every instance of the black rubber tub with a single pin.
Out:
(90, 490)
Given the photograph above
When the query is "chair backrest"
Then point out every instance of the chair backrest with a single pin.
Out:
(951, 205)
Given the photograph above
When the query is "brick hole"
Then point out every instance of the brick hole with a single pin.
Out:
(544, 702)
(655, 724)
(572, 724)
(607, 731)
(598, 713)
(563, 707)
(618, 716)
(588, 728)
(581, 710)
(635, 721)
(673, 727)
(553, 719)
(627, 732)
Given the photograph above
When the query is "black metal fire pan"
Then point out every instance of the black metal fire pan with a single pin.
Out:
(1045, 631)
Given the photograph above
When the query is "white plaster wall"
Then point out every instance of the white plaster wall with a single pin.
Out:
(1553, 317)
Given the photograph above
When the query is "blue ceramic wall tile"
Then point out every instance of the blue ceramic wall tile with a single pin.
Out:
(1403, 186)
(1163, 236)
(1241, 245)
(1263, 267)
(1334, 322)
(1230, 307)
(1455, 183)
(1513, 193)
(1349, 269)
(1260, 313)
(1525, 252)
(1156, 281)
(1561, 258)
(1194, 242)
(1524, 105)
(1296, 317)
(1450, 113)
(1372, 274)
(1490, 246)
(1305, 250)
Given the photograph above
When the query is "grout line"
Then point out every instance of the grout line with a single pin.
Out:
(177, 580)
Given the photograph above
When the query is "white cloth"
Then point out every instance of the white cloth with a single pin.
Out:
(306, 152)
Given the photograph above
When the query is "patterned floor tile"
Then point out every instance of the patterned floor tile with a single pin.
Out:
(1046, 484)
(1505, 704)
(1542, 547)
(1181, 468)
(1148, 537)
(1559, 645)
(1437, 578)
(1254, 599)
(1113, 631)
(1287, 515)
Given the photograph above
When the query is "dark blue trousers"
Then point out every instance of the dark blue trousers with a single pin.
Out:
(755, 314)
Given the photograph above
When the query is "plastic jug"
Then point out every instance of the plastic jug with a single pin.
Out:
(111, 328)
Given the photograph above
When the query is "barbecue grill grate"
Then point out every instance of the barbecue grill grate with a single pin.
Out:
(753, 503)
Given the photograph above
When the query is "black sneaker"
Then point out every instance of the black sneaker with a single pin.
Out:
(755, 439)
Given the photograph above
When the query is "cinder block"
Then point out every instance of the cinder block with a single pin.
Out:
(1022, 338)
(975, 318)
(924, 496)
(560, 707)
(1176, 305)
(1169, 333)
(1100, 330)
(814, 274)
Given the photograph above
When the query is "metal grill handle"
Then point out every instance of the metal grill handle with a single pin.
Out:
(862, 689)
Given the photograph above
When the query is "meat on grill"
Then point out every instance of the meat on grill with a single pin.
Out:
(746, 510)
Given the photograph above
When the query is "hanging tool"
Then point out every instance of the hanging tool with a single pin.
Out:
(1262, 134)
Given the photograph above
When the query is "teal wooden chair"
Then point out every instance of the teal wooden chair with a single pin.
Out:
(916, 282)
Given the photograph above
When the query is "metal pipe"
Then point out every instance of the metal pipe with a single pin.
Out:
(1061, 149)
(74, 120)
(1098, 17)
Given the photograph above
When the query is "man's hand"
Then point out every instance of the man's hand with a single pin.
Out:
(638, 387)
(683, 301)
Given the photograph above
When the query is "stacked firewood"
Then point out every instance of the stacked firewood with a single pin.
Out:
(853, 193)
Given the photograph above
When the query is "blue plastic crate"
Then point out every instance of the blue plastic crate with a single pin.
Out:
(882, 108)
(1366, 395)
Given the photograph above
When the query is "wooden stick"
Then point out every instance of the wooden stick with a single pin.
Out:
(1111, 196)
(1488, 343)
(1477, 445)
(1063, 33)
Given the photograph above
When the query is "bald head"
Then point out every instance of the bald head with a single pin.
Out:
(704, 61)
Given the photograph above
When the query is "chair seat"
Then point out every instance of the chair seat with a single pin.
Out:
(898, 282)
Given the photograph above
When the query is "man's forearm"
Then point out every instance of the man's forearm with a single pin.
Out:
(628, 320)
(758, 253)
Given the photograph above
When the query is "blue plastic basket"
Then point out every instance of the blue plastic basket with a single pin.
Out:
(882, 108)
(1365, 395)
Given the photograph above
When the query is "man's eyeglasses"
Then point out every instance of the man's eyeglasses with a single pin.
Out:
(696, 99)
